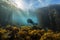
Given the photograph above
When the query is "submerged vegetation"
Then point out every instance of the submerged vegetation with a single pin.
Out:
(27, 33)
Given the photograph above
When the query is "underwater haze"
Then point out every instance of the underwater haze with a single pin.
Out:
(17, 12)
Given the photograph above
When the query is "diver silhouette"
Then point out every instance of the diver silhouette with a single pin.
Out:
(31, 22)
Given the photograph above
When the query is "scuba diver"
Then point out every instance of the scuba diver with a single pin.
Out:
(30, 21)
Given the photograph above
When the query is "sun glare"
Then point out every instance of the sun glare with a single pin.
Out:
(19, 4)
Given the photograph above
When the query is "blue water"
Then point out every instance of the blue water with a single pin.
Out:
(21, 18)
